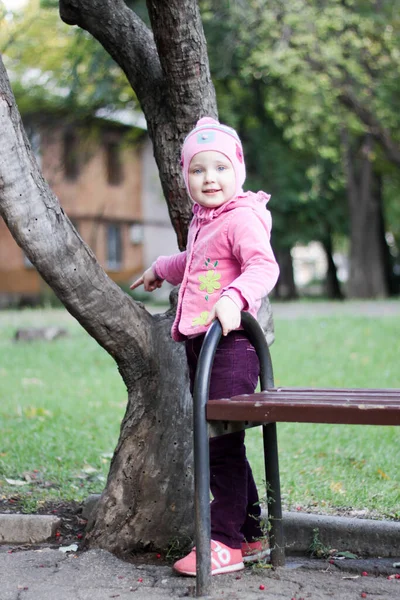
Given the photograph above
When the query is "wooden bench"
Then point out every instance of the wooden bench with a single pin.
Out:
(266, 408)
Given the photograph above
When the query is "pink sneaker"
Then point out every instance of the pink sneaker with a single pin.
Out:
(254, 551)
(223, 560)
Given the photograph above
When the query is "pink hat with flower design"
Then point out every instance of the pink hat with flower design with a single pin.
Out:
(209, 134)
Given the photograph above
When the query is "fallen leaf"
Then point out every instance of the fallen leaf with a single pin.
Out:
(383, 474)
(33, 412)
(345, 554)
(16, 482)
(89, 469)
(71, 548)
(32, 476)
(337, 487)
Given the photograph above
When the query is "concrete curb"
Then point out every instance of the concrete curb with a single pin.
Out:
(364, 537)
(27, 529)
(360, 536)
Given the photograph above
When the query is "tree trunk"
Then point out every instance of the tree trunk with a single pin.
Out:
(154, 453)
(285, 288)
(148, 499)
(392, 282)
(367, 277)
(332, 285)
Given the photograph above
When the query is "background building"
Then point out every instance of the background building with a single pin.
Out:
(105, 177)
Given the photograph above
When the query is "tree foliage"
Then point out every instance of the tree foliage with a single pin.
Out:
(54, 66)
(307, 69)
(324, 67)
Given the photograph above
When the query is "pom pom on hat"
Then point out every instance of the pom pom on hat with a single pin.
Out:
(209, 134)
(206, 121)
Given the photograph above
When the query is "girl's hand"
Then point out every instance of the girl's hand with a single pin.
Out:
(228, 314)
(149, 280)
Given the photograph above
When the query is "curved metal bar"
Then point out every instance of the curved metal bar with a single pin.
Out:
(270, 441)
(256, 336)
(202, 460)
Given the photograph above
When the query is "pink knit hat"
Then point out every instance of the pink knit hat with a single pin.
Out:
(209, 134)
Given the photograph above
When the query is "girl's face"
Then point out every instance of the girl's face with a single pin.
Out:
(212, 180)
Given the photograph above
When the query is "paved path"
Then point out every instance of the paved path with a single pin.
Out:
(33, 569)
(47, 574)
(365, 308)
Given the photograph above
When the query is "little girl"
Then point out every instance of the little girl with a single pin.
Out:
(228, 267)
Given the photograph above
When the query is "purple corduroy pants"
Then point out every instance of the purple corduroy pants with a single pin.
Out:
(235, 509)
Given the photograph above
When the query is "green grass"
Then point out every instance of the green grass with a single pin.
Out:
(61, 404)
(330, 468)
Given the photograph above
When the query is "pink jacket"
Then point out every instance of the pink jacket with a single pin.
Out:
(228, 254)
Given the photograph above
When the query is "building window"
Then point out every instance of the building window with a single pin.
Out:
(136, 234)
(35, 141)
(114, 247)
(114, 167)
(70, 154)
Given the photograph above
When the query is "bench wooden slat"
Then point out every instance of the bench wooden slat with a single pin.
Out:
(319, 396)
(354, 406)
(375, 392)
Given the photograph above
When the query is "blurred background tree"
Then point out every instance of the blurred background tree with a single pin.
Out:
(55, 66)
(318, 79)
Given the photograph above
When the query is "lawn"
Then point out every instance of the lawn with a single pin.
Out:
(334, 468)
(62, 403)
(61, 406)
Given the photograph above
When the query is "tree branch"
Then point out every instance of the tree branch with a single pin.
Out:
(125, 37)
(40, 227)
(348, 98)
(382, 135)
(170, 76)
(182, 50)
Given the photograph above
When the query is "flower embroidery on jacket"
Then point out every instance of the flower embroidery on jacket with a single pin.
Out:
(210, 282)
(201, 320)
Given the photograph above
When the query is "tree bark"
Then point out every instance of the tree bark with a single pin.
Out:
(148, 498)
(140, 506)
(332, 285)
(367, 278)
(168, 70)
(285, 288)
